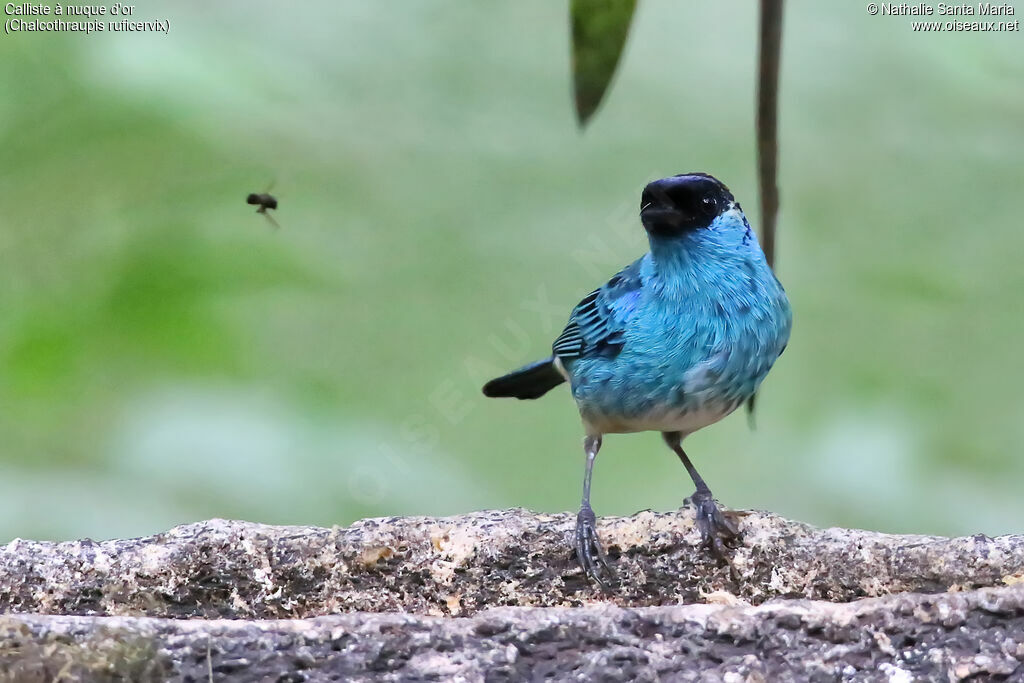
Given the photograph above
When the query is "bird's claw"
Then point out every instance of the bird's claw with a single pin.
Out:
(717, 532)
(589, 551)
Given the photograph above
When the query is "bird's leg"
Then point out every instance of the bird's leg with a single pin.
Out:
(716, 531)
(589, 552)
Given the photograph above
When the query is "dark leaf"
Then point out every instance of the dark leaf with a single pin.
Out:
(599, 31)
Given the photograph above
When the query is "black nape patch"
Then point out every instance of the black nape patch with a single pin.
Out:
(746, 224)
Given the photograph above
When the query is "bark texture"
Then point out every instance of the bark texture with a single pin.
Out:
(376, 600)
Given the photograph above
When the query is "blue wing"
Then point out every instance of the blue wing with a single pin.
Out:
(596, 326)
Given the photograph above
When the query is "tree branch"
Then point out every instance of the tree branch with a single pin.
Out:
(769, 55)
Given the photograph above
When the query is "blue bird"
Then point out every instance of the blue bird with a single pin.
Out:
(673, 342)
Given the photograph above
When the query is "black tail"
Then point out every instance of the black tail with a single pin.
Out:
(530, 381)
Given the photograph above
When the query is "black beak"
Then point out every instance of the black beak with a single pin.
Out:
(657, 212)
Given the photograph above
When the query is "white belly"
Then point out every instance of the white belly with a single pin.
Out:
(666, 419)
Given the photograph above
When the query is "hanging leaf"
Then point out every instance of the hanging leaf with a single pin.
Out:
(767, 121)
(599, 31)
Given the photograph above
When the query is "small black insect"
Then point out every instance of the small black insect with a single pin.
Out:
(265, 201)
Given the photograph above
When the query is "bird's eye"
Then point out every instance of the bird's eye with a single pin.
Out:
(709, 205)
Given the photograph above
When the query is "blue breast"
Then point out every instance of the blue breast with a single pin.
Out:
(698, 337)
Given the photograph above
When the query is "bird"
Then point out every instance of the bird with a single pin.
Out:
(673, 342)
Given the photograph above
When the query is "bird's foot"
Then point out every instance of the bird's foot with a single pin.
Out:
(717, 532)
(589, 552)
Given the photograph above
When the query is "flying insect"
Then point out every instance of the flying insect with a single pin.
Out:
(265, 201)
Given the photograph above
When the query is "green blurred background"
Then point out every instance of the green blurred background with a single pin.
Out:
(167, 356)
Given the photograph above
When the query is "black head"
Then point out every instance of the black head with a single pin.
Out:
(252, 199)
(683, 203)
